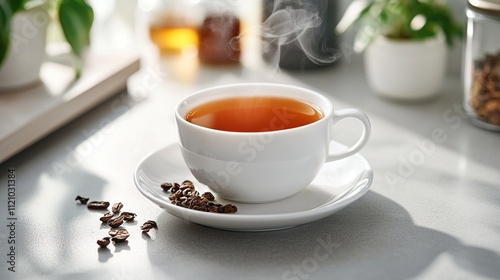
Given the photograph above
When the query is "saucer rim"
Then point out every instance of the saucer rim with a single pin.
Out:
(321, 211)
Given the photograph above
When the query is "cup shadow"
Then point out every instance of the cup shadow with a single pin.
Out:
(374, 238)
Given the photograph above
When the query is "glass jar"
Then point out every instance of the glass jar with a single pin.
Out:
(481, 66)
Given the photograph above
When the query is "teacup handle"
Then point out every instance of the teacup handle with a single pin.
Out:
(357, 114)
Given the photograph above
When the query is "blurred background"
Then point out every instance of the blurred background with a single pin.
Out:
(139, 22)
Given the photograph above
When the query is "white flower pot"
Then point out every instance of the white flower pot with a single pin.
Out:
(406, 70)
(21, 66)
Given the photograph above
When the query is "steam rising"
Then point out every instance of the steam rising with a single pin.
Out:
(297, 25)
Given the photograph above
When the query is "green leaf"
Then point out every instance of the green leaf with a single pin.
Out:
(7, 9)
(76, 18)
(393, 18)
(384, 17)
(15, 5)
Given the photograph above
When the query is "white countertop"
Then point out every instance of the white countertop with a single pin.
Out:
(432, 211)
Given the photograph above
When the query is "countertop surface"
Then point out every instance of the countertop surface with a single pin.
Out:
(432, 212)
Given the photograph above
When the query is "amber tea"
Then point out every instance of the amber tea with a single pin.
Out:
(253, 114)
(173, 39)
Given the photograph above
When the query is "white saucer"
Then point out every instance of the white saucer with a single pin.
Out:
(339, 184)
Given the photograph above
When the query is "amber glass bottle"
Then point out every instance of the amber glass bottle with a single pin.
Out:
(171, 28)
(219, 33)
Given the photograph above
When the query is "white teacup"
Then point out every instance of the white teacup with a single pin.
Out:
(259, 167)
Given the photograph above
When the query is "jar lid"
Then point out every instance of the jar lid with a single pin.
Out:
(487, 6)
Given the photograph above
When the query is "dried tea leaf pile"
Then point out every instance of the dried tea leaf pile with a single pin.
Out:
(185, 195)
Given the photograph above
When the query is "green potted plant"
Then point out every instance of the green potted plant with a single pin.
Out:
(405, 44)
(23, 28)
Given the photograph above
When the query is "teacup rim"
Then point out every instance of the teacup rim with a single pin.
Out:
(327, 103)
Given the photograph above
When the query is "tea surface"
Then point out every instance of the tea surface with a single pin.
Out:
(253, 114)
